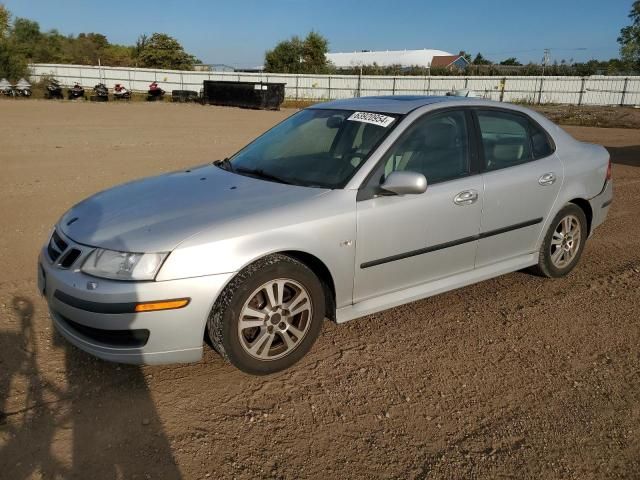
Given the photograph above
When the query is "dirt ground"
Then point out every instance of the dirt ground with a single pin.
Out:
(590, 116)
(517, 377)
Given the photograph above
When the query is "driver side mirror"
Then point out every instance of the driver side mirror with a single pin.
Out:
(405, 183)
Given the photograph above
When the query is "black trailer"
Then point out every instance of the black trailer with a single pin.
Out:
(257, 95)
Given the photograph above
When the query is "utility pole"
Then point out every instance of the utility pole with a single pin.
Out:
(545, 59)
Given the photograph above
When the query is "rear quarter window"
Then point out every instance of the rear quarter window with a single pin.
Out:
(540, 142)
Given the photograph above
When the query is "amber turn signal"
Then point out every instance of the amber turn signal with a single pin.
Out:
(162, 305)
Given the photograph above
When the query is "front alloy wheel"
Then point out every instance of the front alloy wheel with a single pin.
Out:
(268, 316)
(275, 319)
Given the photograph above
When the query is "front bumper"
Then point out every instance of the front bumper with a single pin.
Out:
(157, 337)
(600, 205)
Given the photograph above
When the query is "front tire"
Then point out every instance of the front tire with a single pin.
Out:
(563, 243)
(269, 315)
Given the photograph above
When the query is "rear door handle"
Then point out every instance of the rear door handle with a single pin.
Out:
(547, 179)
(467, 197)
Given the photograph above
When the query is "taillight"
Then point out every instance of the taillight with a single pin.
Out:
(609, 170)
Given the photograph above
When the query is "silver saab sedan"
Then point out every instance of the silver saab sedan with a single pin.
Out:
(344, 209)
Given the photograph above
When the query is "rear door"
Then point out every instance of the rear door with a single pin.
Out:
(406, 240)
(522, 177)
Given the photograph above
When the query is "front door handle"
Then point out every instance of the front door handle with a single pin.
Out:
(467, 197)
(547, 179)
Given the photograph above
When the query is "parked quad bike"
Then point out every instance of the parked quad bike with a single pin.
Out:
(54, 90)
(101, 93)
(22, 88)
(6, 88)
(23, 92)
(121, 93)
(77, 91)
(155, 92)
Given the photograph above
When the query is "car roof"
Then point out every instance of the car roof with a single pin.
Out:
(398, 104)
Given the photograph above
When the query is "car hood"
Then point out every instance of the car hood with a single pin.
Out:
(156, 214)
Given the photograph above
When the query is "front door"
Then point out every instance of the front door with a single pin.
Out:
(407, 240)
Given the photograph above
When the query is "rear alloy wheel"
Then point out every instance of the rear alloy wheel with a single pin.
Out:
(268, 316)
(564, 242)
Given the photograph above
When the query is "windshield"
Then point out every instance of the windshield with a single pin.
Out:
(314, 147)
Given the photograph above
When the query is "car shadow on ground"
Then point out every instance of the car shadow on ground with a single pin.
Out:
(99, 421)
(629, 155)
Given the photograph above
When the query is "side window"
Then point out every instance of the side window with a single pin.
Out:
(540, 142)
(435, 145)
(505, 139)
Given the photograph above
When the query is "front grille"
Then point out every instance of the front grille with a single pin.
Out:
(56, 246)
(60, 252)
(111, 338)
(70, 258)
(53, 253)
(60, 243)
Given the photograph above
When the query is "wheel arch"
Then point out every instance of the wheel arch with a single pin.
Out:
(585, 206)
(315, 264)
(320, 269)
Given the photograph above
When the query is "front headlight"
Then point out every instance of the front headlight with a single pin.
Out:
(123, 265)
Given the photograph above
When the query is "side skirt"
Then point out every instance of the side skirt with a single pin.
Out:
(425, 290)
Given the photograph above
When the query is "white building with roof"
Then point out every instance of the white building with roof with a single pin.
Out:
(404, 58)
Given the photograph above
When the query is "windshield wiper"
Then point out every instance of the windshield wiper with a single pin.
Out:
(259, 173)
(224, 164)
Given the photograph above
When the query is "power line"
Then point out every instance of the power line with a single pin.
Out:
(533, 50)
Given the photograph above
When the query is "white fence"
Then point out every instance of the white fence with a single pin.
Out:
(593, 90)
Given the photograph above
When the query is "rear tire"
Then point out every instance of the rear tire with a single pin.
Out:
(269, 315)
(563, 243)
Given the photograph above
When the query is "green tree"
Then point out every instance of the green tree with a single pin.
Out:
(480, 60)
(512, 62)
(54, 48)
(286, 57)
(163, 51)
(118, 55)
(27, 36)
(141, 42)
(5, 16)
(45, 47)
(629, 39)
(13, 63)
(88, 47)
(24, 42)
(299, 56)
(314, 53)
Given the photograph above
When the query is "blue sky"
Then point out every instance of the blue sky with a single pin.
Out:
(238, 32)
